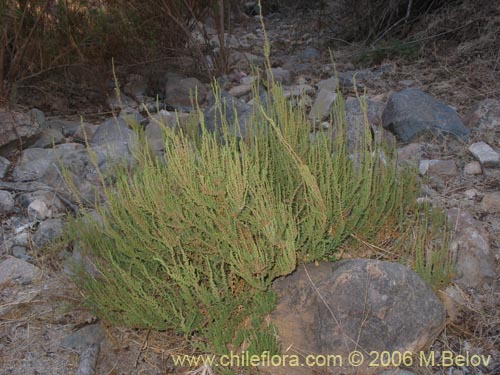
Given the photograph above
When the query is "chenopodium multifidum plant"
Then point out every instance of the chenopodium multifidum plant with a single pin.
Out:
(193, 240)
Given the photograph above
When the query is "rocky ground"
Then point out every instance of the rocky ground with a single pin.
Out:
(444, 119)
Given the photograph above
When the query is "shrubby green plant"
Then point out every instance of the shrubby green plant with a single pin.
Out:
(193, 241)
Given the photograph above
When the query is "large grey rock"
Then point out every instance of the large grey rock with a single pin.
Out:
(17, 130)
(475, 260)
(357, 304)
(412, 113)
(233, 109)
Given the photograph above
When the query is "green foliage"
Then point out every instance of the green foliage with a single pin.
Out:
(193, 242)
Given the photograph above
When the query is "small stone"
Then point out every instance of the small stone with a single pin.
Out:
(4, 167)
(20, 252)
(330, 84)
(410, 152)
(84, 337)
(491, 202)
(471, 193)
(85, 132)
(282, 75)
(322, 105)
(18, 271)
(7, 202)
(473, 168)
(136, 86)
(424, 200)
(48, 138)
(438, 167)
(248, 80)
(485, 154)
(240, 90)
(298, 91)
(48, 231)
(38, 210)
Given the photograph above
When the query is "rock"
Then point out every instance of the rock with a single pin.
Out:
(309, 54)
(244, 61)
(331, 84)
(355, 122)
(154, 130)
(357, 304)
(485, 154)
(281, 75)
(38, 210)
(181, 92)
(323, 105)
(233, 108)
(473, 168)
(248, 80)
(411, 152)
(38, 117)
(136, 87)
(412, 113)
(48, 231)
(442, 168)
(485, 117)
(491, 202)
(475, 261)
(48, 138)
(298, 90)
(89, 335)
(240, 90)
(472, 193)
(84, 132)
(17, 130)
(21, 252)
(33, 164)
(4, 167)
(66, 127)
(18, 271)
(113, 130)
(7, 202)
(119, 104)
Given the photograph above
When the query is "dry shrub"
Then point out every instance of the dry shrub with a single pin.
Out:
(372, 20)
(44, 36)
